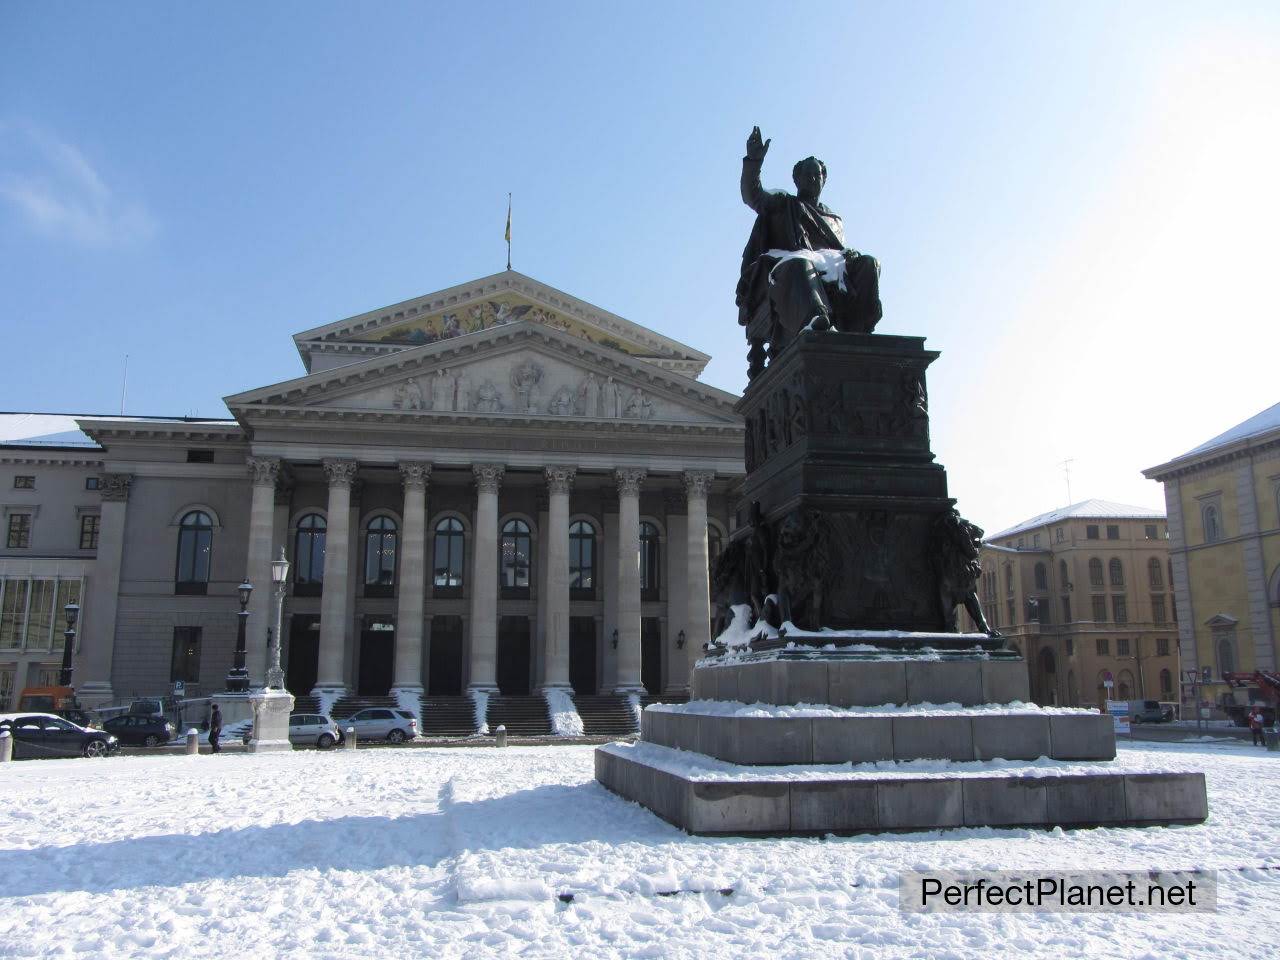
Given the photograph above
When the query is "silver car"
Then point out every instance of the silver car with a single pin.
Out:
(313, 730)
(383, 723)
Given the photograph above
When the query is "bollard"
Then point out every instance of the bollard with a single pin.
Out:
(6, 746)
(193, 741)
(500, 735)
(351, 738)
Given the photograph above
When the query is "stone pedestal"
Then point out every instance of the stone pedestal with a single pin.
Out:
(271, 709)
(234, 707)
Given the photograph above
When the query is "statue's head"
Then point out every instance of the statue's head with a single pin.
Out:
(810, 175)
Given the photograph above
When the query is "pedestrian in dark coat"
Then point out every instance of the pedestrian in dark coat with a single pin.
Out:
(215, 729)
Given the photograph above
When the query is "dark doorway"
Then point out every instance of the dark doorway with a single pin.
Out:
(651, 654)
(582, 654)
(304, 653)
(444, 665)
(513, 656)
(377, 656)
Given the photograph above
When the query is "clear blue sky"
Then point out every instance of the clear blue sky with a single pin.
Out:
(1075, 202)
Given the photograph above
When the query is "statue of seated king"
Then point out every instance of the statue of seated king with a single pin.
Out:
(797, 273)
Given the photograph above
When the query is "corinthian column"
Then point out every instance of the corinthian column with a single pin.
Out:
(330, 675)
(556, 625)
(484, 579)
(629, 480)
(413, 567)
(264, 472)
(697, 484)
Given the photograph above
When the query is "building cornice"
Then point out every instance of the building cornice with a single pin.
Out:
(1238, 450)
(31, 458)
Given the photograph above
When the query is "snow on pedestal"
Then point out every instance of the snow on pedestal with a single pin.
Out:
(271, 709)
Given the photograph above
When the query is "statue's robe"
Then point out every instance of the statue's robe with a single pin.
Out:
(795, 288)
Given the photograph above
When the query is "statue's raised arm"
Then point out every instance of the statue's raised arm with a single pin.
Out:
(757, 146)
(753, 194)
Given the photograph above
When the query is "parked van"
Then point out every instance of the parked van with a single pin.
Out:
(1147, 711)
(60, 701)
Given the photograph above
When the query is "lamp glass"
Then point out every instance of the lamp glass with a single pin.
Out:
(244, 590)
(279, 571)
(72, 611)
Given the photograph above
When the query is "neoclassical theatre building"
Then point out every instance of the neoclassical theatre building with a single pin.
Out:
(497, 487)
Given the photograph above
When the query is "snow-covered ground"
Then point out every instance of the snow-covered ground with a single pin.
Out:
(469, 851)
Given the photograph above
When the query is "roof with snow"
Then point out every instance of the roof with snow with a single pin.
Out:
(1084, 510)
(1267, 420)
(42, 430)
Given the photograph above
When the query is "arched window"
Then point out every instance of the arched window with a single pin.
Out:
(380, 557)
(1212, 531)
(1008, 578)
(1063, 575)
(1166, 684)
(195, 547)
(1042, 577)
(1116, 571)
(515, 558)
(308, 556)
(1226, 656)
(1155, 573)
(582, 560)
(1095, 572)
(1124, 685)
(650, 563)
(450, 556)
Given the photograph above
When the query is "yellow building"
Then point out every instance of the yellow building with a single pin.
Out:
(1223, 503)
(1083, 593)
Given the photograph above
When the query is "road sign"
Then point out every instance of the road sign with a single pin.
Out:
(1119, 710)
(1108, 683)
(179, 688)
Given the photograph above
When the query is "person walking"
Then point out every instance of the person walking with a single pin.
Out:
(1255, 726)
(215, 729)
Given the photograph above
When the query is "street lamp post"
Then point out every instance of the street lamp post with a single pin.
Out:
(280, 580)
(238, 676)
(72, 611)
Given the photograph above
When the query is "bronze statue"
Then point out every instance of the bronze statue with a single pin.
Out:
(797, 273)
(954, 552)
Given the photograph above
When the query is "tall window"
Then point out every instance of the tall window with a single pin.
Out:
(650, 562)
(195, 548)
(1225, 643)
(1042, 577)
(1162, 646)
(1102, 646)
(185, 665)
(380, 557)
(516, 551)
(582, 560)
(450, 554)
(1155, 573)
(1212, 528)
(1116, 570)
(19, 531)
(1091, 531)
(1120, 610)
(1063, 575)
(1066, 609)
(1113, 531)
(308, 556)
(1095, 572)
(1008, 578)
(90, 524)
(1122, 646)
(1099, 609)
(1166, 684)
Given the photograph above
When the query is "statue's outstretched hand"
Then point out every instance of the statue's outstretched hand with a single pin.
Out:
(757, 147)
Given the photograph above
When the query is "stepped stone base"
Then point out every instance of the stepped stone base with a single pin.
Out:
(664, 781)
(861, 739)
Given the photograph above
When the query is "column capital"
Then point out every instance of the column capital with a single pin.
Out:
(414, 474)
(341, 473)
(488, 476)
(114, 487)
(265, 471)
(629, 480)
(559, 478)
(697, 483)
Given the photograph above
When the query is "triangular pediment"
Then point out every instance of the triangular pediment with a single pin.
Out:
(487, 304)
(522, 369)
(1221, 620)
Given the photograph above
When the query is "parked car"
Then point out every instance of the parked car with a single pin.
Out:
(140, 730)
(383, 723)
(37, 735)
(1148, 711)
(313, 730)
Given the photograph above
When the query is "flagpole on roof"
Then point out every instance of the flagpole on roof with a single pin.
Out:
(508, 231)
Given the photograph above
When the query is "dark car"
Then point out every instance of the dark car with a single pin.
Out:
(139, 730)
(37, 735)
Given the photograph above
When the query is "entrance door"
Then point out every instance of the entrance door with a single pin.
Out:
(651, 654)
(304, 652)
(444, 664)
(377, 656)
(513, 656)
(582, 654)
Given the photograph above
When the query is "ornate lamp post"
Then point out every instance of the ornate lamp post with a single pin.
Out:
(238, 676)
(72, 611)
(280, 580)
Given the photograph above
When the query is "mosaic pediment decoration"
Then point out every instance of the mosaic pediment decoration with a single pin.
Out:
(493, 313)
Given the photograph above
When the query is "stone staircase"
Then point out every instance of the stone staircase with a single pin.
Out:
(349, 705)
(447, 716)
(606, 714)
(305, 704)
(522, 716)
